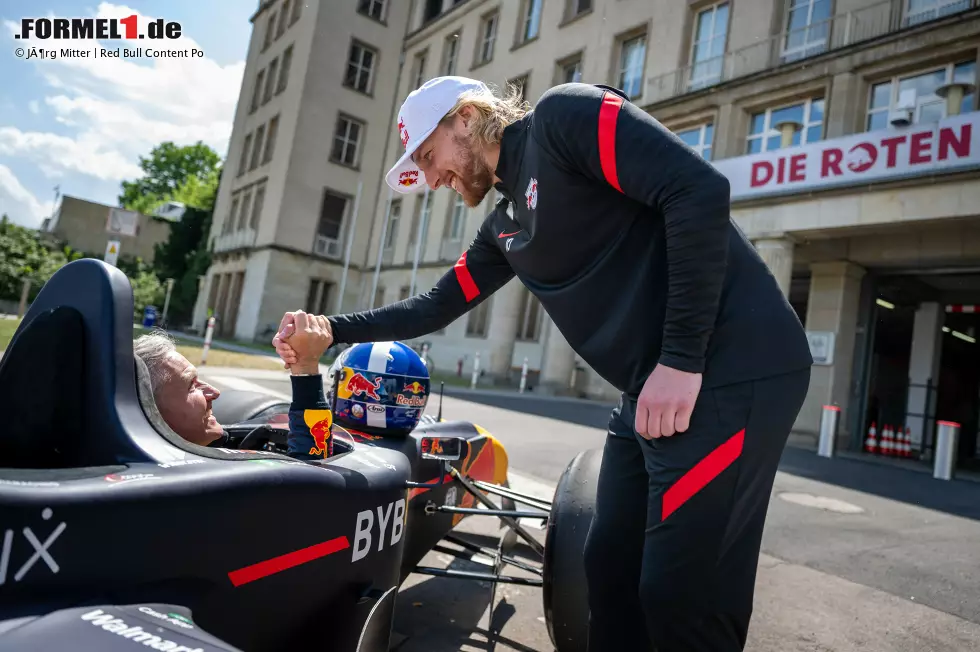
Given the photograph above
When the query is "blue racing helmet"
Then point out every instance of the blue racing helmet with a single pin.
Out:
(379, 388)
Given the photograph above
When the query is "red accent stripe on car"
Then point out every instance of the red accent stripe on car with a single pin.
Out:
(466, 282)
(287, 561)
(608, 115)
(702, 473)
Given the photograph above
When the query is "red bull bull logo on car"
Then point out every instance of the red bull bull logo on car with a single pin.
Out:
(319, 422)
(358, 385)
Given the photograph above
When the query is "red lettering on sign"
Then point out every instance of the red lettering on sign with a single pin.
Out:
(831, 162)
(765, 167)
(920, 149)
(797, 168)
(891, 144)
(948, 140)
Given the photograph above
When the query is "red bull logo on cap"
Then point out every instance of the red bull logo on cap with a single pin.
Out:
(358, 385)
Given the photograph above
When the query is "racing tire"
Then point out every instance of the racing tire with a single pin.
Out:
(564, 590)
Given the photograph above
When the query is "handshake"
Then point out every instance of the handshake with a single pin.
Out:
(301, 340)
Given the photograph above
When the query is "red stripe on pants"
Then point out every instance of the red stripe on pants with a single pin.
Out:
(702, 473)
(608, 115)
(466, 282)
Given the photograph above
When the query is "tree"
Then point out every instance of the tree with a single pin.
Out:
(24, 256)
(165, 170)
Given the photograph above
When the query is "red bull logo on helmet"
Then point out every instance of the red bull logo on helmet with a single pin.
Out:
(414, 387)
(410, 401)
(358, 385)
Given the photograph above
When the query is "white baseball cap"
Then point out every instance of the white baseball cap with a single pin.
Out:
(418, 117)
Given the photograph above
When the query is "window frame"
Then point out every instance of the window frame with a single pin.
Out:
(893, 92)
(350, 120)
(349, 63)
(621, 64)
(705, 142)
(706, 81)
(769, 130)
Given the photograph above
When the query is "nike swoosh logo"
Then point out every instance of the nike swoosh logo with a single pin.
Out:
(507, 235)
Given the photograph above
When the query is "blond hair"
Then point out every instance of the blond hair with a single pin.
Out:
(493, 113)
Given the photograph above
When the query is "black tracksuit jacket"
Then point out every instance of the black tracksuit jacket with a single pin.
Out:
(625, 236)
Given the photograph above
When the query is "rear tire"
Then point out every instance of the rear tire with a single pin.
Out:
(565, 592)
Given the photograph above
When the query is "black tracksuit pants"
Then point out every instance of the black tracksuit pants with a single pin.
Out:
(672, 553)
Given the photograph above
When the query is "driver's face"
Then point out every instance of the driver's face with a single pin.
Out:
(185, 400)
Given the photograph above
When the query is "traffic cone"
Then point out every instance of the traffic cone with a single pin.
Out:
(886, 441)
(871, 443)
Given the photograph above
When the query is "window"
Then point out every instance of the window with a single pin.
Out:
(457, 220)
(257, 149)
(765, 137)
(257, 92)
(699, 139)
(243, 213)
(345, 141)
(372, 9)
(379, 297)
(269, 30)
(489, 32)
(417, 218)
(575, 8)
(807, 27)
(360, 67)
(297, 9)
(529, 320)
(257, 207)
(391, 235)
(918, 93)
(287, 60)
(571, 71)
(333, 211)
(631, 58)
(318, 297)
(921, 11)
(708, 47)
(532, 20)
(420, 60)
(478, 320)
(404, 292)
(283, 17)
(232, 214)
(271, 80)
(270, 139)
(243, 162)
(450, 52)
(432, 9)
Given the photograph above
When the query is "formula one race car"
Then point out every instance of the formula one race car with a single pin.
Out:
(114, 530)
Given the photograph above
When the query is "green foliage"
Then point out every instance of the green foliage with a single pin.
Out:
(147, 291)
(165, 170)
(23, 255)
(184, 257)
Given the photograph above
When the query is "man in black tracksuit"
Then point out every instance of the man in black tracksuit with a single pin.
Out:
(624, 234)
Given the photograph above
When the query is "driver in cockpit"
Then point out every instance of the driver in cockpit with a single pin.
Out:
(184, 400)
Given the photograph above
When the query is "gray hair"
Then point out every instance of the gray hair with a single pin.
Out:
(153, 349)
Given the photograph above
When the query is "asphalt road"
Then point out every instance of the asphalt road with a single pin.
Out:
(855, 555)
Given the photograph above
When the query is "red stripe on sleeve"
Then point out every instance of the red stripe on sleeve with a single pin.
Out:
(702, 473)
(466, 282)
(608, 114)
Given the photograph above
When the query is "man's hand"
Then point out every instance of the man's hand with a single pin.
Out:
(666, 402)
(301, 341)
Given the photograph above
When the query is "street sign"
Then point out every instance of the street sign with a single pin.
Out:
(112, 252)
(821, 346)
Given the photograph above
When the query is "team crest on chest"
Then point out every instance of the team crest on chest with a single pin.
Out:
(532, 194)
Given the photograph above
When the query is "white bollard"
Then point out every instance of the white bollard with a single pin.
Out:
(947, 445)
(523, 376)
(828, 430)
(476, 370)
(207, 340)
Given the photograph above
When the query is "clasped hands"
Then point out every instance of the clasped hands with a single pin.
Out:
(301, 340)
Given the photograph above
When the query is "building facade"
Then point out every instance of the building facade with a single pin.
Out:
(849, 130)
(90, 227)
